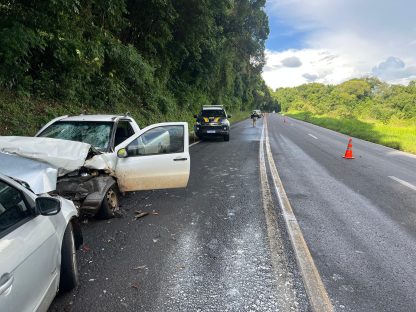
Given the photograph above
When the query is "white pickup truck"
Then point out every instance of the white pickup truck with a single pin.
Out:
(98, 156)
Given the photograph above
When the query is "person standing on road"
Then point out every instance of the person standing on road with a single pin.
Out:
(254, 118)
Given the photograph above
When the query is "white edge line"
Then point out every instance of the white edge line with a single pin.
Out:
(318, 296)
(285, 292)
(311, 135)
(190, 145)
(409, 185)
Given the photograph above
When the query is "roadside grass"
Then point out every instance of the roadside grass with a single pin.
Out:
(397, 134)
(238, 116)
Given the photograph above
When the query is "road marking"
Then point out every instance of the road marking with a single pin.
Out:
(285, 294)
(190, 145)
(409, 185)
(317, 294)
(311, 135)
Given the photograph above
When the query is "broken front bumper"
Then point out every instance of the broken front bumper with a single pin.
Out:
(87, 192)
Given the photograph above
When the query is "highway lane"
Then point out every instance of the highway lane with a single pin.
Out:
(358, 216)
(210, 247)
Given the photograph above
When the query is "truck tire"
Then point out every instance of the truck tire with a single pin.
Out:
(110, 204)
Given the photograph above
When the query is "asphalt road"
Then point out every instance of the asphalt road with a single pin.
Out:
(358, 216)
(207, 248)
(221, 244)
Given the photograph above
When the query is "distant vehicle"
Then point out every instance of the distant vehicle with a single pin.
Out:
(99, 156)
(212, 121)
(38, 239)
(256, 113)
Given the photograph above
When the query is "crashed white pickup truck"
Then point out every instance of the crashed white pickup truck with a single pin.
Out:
(91, 158)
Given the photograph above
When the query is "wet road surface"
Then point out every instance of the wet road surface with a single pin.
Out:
(359, 223)
(205, 248)
(221, 244)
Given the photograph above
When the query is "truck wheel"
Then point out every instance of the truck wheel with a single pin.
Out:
(69, 268)
(226, 137)
(109, 206)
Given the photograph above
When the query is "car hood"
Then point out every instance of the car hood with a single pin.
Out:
(40, 161)
(41, 177)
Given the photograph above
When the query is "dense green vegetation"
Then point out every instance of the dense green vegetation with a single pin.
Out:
(158, 59)
(364, 108)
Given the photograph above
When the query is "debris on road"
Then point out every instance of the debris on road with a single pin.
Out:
(141, 267)
(135, 286)
(140, 214)
(85, 248)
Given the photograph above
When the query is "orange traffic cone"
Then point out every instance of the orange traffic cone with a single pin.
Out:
(348, 152)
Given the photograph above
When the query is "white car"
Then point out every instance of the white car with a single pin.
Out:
(38, 239)
(99, 156)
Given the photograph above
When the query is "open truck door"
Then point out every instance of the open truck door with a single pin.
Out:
(155, 158)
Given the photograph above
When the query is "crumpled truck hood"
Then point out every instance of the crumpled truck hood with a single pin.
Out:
(63, 156)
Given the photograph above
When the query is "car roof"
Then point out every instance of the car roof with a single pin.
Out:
(94, 118)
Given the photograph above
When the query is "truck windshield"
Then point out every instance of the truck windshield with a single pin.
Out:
(97, 134)
(212, 113)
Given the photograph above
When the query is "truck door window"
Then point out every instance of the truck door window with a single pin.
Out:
(159, 140)
(123, 132)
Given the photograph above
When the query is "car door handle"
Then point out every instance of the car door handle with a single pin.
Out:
(180, 159)
(6, 281)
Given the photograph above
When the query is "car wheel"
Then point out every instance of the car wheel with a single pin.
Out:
(109, 206)
(226, 137)
(69, 269)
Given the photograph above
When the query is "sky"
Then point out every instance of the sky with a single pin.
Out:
(331, 41)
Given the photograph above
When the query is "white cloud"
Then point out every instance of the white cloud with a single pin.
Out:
(310, 77)
(291, 61)
(323, 66)
(394, 69)
(360, 33)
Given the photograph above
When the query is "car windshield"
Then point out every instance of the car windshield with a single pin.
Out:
(97, 134)
(212, 113)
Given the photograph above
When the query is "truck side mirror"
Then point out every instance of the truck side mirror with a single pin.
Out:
(122, 153)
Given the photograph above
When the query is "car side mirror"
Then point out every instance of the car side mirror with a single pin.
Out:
(195, 116)
(122, 153)
(229, 116)
(48, 206)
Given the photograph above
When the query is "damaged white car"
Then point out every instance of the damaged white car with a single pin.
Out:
(98, 156)
(38, 239)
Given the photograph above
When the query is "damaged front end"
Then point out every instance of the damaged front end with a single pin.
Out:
(86, 188)
(73, 170)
